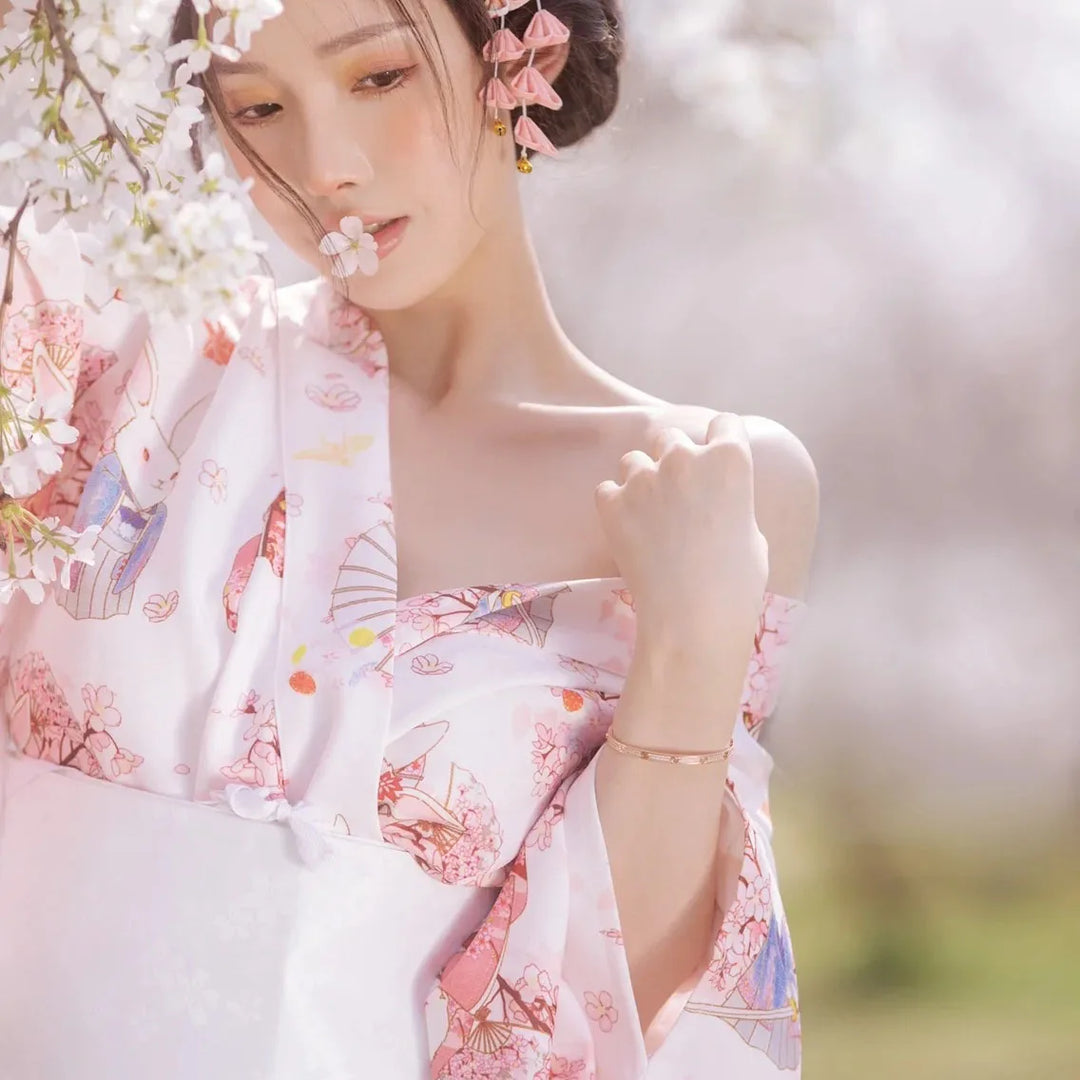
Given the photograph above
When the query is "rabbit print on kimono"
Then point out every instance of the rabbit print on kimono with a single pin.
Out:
(125, 495)
(235, 760)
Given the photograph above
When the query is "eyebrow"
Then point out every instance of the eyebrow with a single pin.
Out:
(332, 47)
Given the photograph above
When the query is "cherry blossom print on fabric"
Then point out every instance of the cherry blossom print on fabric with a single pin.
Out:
(457, 838)
(253, 356)
(269, 545)
(351, 333)
(489, 1011)
(489, 1028)
(561, 747)
(762, 685)
(44, 725)
(430, 664)
(159, 606)
(216, 478)
(749, 985)
(60, 496)
(750, 982)
(125, 495)
(336, 396)
(39, 349)
(600, 1008)
(486, 782)
(260, 766)
(523, 612)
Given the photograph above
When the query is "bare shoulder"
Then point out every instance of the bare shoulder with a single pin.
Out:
(786, 492)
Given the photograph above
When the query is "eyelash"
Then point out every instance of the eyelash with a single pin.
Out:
(402, 76)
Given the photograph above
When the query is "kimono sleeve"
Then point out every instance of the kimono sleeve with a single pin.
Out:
(66, 336)
(59, 338)
(542, 990)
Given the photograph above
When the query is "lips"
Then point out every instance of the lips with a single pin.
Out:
(387, 239)
(333, 224)
(375, 229)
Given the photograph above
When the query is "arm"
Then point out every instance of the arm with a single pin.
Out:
(546, 980)
(662, 823)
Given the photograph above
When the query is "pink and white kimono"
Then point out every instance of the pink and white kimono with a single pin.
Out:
(263, 820)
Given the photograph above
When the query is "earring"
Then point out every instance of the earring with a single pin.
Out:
(528, 86)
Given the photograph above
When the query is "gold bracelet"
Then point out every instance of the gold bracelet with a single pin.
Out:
(668, 756)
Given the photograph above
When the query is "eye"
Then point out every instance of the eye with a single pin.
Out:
(145, 454)
(244, 115)
(395, 78)
(382, 82)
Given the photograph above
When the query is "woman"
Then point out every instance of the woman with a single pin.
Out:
(284, 799)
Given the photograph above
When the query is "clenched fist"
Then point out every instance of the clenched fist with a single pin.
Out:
(680, 524)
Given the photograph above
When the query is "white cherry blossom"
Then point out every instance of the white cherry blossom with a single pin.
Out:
(197, 53)
(47, 421)
(112, 155)
(356, 249)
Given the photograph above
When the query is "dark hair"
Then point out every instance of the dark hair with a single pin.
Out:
(588, 83)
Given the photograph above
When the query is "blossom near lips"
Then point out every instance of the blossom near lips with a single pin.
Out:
(354, 248)
(333, 224)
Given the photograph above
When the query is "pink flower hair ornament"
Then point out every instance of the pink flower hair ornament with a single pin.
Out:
(528, 87)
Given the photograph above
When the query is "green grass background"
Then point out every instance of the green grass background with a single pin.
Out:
(931, 958)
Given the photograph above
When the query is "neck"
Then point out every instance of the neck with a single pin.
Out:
(489, 335)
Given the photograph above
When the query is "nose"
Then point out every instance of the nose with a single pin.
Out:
(332, 160)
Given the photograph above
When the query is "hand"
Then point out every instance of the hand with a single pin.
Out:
(681, 527)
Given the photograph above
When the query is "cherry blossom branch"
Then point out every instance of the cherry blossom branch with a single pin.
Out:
(72, 72)
(9, 236)
(176, 244)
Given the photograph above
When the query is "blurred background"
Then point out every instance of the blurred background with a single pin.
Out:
(861, 219)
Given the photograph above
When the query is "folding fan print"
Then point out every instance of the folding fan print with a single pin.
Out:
(363, 604)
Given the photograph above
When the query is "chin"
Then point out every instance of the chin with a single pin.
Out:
(392, 289)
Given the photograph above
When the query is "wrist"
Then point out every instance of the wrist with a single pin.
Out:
(683, 701)
(709, 658)
(669, 754)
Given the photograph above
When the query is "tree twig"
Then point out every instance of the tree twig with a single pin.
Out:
(72, 72)
(9, 237)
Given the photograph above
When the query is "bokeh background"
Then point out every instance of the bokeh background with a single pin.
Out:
(861, 219)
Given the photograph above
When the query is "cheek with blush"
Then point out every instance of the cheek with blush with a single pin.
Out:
(278, 213)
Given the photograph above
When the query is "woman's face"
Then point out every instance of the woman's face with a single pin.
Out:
(341, 104)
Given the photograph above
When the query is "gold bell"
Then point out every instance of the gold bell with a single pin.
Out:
(524, 165)
(499, 127)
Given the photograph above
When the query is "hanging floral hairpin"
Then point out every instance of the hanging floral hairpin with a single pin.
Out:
(528, 86)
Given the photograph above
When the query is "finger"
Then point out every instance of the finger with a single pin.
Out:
(663, 439)
(605, 491)
(633, 462)
(726, 426)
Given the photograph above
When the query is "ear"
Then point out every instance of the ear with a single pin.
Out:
(141, 386)
(549, 61)
(185, 429)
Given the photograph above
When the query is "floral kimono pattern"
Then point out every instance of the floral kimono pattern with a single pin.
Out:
(238, 651)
